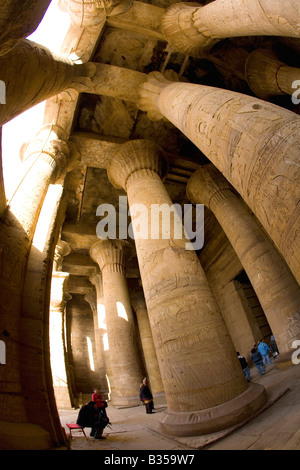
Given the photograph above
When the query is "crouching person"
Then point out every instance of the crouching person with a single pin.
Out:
(89, 417)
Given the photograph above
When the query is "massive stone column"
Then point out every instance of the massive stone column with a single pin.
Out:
(152, 366)
(123, 352)
(28, 235)
(268, 273)
(45, 160)
(202, 393)
(18, 19)
(91, 298)
(59, 297)
(254, 144)
(101, 334)
(190, 27)
(31, 74)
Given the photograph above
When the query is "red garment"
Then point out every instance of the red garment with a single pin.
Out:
(97, 398)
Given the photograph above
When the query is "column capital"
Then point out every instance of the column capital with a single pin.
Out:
(134, 156)
(62, 249)
(49, 144)
(88, 13)
(261, 71)
(110, 254)
(150, 89)
(207, 184)
(178, 26)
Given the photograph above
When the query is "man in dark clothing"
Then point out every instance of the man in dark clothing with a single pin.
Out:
(257, 359)
(89, 417)
(244, 365)
(146, 397)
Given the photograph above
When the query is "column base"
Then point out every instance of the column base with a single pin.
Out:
(125, 402)
(23, 436)
(230, 413)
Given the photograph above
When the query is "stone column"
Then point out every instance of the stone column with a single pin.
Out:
(254, 144)
(267, 76)
(190, 27)
(45, 160)
(123, 352)
(18, 19)
(101, 333)
(32, 74)
(202, 393)
(91, 298)
(268, 273)
(59, 297)
(27, 242)
(152, 366)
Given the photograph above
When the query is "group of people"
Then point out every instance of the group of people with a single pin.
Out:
(259, 356)
(93, 414)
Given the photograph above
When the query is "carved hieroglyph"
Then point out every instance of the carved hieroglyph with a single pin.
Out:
(188, 330)
(254, 144)
(265, 268)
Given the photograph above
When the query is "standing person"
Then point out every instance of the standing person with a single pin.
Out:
(99, 401)
(146, 397)
(258, 361)
(264, 349)
(244, 365)
(273, 347)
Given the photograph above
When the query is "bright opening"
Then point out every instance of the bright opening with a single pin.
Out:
(90, 351)
(121, 311)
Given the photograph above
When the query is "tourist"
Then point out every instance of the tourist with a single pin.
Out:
(100, 402)
(264, 349)
(273, 347)
(89, 417)
(257, 359)
(245, 366)
(146, 397)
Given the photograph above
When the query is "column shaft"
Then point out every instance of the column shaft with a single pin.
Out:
(191, 27)
(152, 366)
(268, 273)
(123, 353)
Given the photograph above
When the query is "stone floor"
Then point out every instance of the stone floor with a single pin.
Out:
(277, 427)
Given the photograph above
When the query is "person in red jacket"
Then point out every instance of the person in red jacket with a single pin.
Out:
(101, 404)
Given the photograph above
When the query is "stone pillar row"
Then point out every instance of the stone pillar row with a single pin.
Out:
(191, 27)
(203, 393)
(268, 273)
(123, 353)
(254, 144)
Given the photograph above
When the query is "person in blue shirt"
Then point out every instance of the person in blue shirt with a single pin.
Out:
(264, 349)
